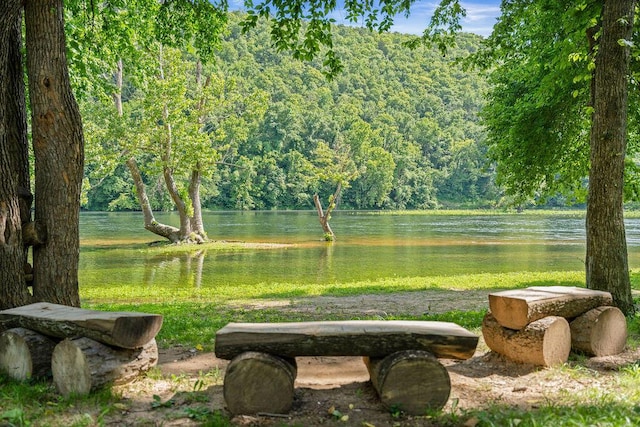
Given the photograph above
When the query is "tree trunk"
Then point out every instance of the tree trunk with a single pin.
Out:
(545, 342)
(412, 381)
(14, 166)
(324, 217)
(599, 332)
(58, 148)
(167, 231)
(197, 226)
(82, 365)
(606, 255)
(181, 206)
(25, 354)
(259, 382)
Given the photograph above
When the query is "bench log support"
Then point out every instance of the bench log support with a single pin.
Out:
(25, 354)
(601, 331)
(259, 382)
(413, 381)
(82, 365)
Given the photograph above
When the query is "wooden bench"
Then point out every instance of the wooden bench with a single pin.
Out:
(401, 357)
(541, 325)
(81, 349)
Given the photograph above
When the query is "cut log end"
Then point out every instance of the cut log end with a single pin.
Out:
(82, 365)
(412, 381)
(601, 331)
(259, 382)
(25, 354)
(545, 342)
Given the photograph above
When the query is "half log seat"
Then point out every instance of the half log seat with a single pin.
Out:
(401, 357)
(81, 349)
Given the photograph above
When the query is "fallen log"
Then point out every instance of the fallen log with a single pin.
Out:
(121, 329)
(82, 365)
(516, 308)
(601, 331)
(25, 354)
(544, 342)
(374, 338)
(257, 382)
(412, 381)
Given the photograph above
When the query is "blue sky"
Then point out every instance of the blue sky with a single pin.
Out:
(481, 15)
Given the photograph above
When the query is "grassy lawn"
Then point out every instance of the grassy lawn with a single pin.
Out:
(192, 316)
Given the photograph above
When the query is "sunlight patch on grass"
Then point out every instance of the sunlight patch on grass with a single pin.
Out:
(237, 291)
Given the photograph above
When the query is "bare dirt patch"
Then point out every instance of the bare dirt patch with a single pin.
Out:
(328, 384)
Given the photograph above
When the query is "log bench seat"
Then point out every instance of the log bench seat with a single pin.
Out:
(401, 357)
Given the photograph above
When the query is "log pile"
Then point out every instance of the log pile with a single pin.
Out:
(81, 350)
(542, 325)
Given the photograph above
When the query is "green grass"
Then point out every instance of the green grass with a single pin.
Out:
(192, 316)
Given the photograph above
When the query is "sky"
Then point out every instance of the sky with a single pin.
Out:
(481, 15)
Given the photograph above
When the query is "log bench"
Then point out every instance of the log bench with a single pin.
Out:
(81, 349)
(401, 357)
(541, 325)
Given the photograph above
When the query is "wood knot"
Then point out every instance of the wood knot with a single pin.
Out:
(46, 82)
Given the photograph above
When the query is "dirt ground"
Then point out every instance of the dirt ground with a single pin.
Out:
(336, 391)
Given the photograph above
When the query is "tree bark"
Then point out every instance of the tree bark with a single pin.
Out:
(58, 148)
(412, 381)
(606, 255)
(516, 308)
(82, 365)
(259, 382)
(15, 196)
(545, 342)
(599, 332)
(25, 354)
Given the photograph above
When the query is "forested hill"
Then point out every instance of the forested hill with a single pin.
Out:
(398, 127)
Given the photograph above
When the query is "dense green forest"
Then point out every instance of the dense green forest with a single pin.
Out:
(398, 128)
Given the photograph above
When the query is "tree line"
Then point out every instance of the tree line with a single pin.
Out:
(397, 128)
(533, 42)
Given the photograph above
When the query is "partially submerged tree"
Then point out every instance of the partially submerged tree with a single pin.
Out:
(182, 123)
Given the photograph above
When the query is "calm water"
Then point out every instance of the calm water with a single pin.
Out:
(368, 246)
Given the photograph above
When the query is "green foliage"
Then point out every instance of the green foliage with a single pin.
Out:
(398, 128)
(539, 108)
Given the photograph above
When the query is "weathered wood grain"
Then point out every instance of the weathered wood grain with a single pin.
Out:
(374, 338)
(121, 329)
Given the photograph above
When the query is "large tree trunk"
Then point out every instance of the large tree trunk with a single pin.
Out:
(606, 258)
(58, 148)
(14, 175)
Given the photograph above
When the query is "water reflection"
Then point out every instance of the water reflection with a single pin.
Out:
(369, 247)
